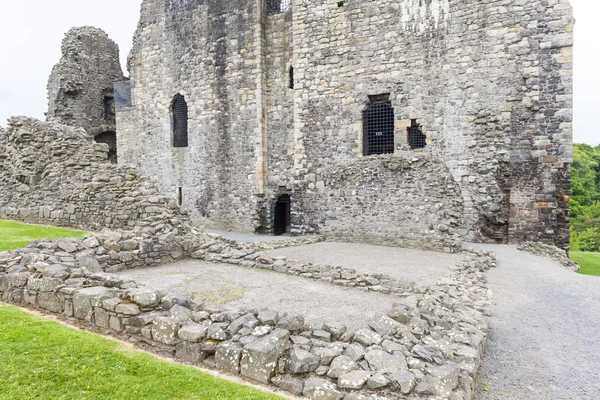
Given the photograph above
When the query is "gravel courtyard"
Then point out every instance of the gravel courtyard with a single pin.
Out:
(544, 342)
(235, 287)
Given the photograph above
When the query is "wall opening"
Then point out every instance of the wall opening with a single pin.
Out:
(109, 138)
(291, 77)
(378, 127)
(179, 110)
(180, 196)
(278, 6)
(416, 138)
(109, 108)
(282, 215)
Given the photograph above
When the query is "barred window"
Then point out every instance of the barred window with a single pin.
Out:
(278, 6)
(180, 122)
(416, 138)
(378, 129)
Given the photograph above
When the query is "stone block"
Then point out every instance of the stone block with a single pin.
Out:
(259, 357)
(228, 356)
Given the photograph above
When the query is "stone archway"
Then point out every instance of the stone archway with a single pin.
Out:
(110, 138)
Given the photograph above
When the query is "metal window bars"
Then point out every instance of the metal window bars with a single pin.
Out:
(378, 128)
(278, 6)
(180, 122)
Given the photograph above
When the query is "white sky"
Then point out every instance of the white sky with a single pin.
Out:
(31, 32)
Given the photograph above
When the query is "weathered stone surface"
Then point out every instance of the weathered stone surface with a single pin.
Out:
(353, 380)
(192, 332)
(190, 352)
(291, 385)
(404, 381)
(82, 300)
(164, 330)
(340, 366)
(321, 389)
(146, 298)
(384, 325)
(443, 379)
(367, 337)
(381, 361)
(259, 358)
(228, 356)
(127, 309)
(291, 322)
(301, 361)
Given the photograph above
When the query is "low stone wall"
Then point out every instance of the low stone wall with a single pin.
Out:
(546, 250)
(408, 200)
(55, 174)
(429, 345)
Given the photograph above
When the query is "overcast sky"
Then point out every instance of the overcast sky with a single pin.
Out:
(31, 32)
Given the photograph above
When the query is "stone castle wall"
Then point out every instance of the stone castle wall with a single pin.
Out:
(488, 82)
(393, 200)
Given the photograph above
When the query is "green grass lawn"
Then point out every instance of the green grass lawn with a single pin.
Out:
(14, 235)
(589, 262)
(42, 359)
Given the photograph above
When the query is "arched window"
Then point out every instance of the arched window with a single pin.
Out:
(378, 128)
(179, 110)
(278, 6)
(110, 138)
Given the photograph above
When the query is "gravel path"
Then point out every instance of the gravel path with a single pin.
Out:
(545, 331)
(421, 267)
(249, 237)
(235, 287)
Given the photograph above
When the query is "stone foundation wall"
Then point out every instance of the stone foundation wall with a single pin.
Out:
(55, 174)
(409, 201)
(430, 345)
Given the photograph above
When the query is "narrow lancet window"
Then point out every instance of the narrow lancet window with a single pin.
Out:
(180, 122)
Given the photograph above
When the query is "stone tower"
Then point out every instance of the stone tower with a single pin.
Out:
(80, 88)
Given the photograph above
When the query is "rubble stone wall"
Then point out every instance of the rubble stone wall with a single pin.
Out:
(80, 88)
(489, 82)
(396, 200)
(430, 345)
(55, 174)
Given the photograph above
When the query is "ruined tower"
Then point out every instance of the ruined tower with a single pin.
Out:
(80, 88)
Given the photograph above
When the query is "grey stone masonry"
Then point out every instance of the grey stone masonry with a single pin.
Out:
(80, 88)
(488, 83)
(430, 344)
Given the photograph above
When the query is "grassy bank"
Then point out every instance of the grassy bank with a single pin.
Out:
(41, 359)
(14, 235)
(589, 262)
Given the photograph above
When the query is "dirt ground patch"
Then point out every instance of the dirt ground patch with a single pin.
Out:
(233, 287)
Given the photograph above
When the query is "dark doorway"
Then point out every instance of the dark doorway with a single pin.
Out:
(282, 216)
(110, 138)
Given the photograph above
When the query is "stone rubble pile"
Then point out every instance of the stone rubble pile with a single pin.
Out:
(546, 250)
(55, 174)
(428, 346)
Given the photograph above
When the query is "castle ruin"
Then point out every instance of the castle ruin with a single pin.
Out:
(406, 122)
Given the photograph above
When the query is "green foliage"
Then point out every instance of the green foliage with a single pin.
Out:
(14, 235)
(575, 243)
(589, 262)
(43, 359)
(589, 239)
(585, 183)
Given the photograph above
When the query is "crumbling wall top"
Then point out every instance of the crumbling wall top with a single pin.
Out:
(80, 87)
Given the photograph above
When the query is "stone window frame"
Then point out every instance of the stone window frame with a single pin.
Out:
(179, 139)
(373, 100)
